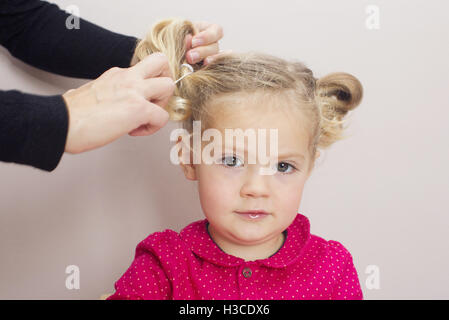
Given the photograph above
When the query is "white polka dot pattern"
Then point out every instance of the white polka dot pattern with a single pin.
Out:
(189, 265)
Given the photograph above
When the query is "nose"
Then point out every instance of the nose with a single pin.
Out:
(254, 185)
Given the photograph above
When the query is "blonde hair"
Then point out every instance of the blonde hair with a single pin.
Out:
(324, 102)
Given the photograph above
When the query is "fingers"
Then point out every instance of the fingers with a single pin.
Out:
(208, 34)
(212, 58)
(157, 90)
(202, 25)
(188, 42)
(158, 85)
(200, 53)
(204, 43)
(156, 117)
(154, 65)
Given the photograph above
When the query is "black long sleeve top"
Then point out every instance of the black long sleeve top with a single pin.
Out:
(33, 128)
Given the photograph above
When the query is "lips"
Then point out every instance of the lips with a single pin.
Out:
(253, 214)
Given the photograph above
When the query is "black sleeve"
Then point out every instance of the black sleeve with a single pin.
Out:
(36, 33)
(33, 129)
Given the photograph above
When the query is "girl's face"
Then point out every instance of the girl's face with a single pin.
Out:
(232, 185)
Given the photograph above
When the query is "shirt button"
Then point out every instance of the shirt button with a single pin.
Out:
(247, 272)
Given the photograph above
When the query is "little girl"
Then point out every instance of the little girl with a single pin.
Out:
(253, 244)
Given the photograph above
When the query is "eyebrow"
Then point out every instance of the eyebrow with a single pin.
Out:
(288, 155)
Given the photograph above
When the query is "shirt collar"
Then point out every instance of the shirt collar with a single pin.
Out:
(198, 239)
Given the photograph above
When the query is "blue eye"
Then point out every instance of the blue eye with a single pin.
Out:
(231, 163)
(284, 165)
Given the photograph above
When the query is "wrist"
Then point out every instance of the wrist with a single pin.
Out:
(65, 97)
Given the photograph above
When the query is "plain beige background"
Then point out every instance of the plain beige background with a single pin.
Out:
(382, 192)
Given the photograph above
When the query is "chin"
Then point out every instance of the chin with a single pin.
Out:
(250, 236)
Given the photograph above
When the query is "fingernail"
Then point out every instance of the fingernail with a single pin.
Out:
(194, 56)
(197, 42)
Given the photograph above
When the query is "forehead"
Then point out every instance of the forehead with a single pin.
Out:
(261, 110)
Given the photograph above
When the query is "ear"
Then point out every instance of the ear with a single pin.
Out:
(189, 169)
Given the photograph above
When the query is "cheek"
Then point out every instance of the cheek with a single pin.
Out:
(289, 193)
(215, 191)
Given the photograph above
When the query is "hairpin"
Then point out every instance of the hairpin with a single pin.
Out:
(188, 66)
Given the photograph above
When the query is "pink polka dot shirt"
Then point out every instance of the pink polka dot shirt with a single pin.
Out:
(189, 266)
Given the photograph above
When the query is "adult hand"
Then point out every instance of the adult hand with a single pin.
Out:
(201, 46)
(120, 101)
(204, 44)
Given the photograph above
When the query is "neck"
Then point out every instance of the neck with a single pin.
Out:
(247, 252)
